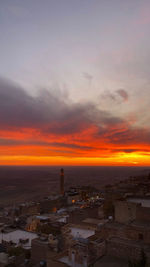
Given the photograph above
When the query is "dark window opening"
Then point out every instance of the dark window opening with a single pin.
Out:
(140, 236)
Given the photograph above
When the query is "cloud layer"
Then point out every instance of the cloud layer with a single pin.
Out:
(55, 124)
(48, 112)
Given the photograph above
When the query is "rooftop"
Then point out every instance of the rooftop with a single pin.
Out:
(145, 202)
(66, 260)
(81, 232)
(92, 221)
(18, 235)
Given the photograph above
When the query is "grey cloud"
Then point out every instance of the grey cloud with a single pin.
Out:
(14, 142)
(72, 146)
(18, 109)
(66, 152)
(128, 150)
(87, 76)
(130, 136)
(117, 96)
(123, 94)
(54, 113)
(47, 112)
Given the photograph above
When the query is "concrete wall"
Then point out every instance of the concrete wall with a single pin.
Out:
(132, 232)
(143, 214)
(52, 205)
(127, 250)
(33, 209)
(125, 211)
(138, 233)
(110, 230)
(123, 250)
(79, 215)
(38, 251)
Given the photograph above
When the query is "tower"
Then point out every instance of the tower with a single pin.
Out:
(62, 182)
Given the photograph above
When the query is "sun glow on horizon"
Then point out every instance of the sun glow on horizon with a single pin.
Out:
(122, 159)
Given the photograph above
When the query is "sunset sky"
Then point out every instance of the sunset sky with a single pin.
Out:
(75, 82)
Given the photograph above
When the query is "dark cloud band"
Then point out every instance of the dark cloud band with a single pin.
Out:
(52, 113)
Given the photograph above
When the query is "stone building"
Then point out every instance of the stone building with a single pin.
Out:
(52, 204)
(76, 216)
(143, 214)
(129, 234)
(44, 247)
(29, 208)
(84, 251)
(125, 211)
(127, 249)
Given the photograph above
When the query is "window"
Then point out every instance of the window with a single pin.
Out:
(140, 236)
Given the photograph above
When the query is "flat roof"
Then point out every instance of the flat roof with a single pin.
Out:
(145, 202)
(16, 235)
(81, 232)
(92, 221)
(67, 261)
(42, 217)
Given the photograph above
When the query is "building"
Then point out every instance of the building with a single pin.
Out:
(125, 211)
(84, 251)
(62, 182)
(19, 238)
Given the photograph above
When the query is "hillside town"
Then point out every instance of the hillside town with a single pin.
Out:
(83, 226)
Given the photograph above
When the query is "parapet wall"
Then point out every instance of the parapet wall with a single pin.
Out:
(124, 249)
(143, 214)
(125, 211)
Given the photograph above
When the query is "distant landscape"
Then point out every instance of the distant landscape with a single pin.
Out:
(18, 184)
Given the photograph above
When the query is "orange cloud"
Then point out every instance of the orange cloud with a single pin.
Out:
(49, 130)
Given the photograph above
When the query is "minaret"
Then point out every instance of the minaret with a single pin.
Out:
(62, 182)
